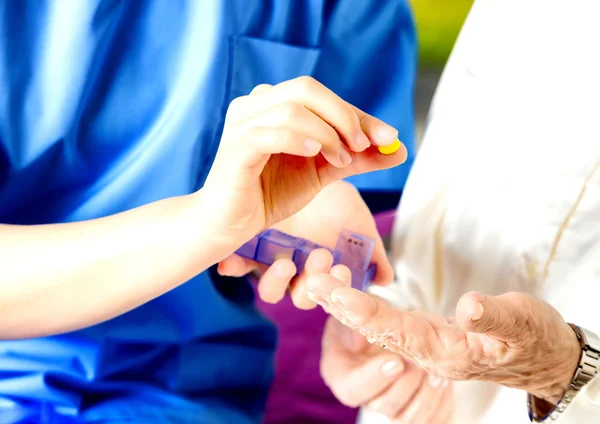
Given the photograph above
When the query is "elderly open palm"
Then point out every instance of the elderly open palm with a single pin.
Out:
(506, 339)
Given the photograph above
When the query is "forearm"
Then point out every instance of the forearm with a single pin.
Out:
(61, 277)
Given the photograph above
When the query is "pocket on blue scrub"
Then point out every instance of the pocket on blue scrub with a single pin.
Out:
(257, 61)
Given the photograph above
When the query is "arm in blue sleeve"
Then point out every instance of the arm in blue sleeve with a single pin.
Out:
(369, 58)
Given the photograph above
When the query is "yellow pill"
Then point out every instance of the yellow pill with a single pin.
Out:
(390, 148)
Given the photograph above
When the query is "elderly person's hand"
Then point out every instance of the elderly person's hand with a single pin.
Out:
(360, 374)
(514, 339)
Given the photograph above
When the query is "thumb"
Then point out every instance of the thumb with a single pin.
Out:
(502, 317)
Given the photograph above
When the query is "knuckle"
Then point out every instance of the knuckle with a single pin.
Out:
(260, 87)
(236, 110)
(364, 120)
(237, 103)
(307, 83)
(350, 117)
(290, 111)
(287, 137)
(251, 136)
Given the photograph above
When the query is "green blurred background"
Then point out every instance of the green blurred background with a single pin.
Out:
(438, 24)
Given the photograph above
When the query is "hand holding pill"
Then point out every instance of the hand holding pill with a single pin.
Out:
(281, 145)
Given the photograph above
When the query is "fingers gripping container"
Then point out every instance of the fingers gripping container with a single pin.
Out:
(352, 249)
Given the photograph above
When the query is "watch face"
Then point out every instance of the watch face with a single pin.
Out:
(592, 339)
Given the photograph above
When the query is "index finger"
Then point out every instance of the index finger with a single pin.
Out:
(379, 133)
(372, 317)
(351, 123)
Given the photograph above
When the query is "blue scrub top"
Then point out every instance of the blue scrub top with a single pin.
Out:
(106, 105)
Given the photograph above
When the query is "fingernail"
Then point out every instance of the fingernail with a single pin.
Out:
(391, 368)
(434, 381)
(312, 147)
(362, 141)
(345, 157)
(479, 314)
(386, 134)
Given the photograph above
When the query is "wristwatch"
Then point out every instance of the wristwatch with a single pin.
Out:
(588, 368)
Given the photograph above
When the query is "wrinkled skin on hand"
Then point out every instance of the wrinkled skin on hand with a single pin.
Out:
(515, 339)
(363, 374)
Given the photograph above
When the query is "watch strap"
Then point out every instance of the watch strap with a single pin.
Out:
(588, 368)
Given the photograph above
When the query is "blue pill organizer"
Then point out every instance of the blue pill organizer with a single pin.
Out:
(352, 249)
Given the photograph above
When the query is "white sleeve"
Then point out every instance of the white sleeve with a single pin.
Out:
(504, 194)
(585, 407)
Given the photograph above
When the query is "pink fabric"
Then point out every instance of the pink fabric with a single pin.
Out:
(298, 394)
(385, 222)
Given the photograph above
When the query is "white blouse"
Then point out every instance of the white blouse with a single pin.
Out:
(505, 192)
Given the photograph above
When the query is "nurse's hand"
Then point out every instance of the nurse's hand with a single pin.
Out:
(515, 339)
(338, 206)
(281, 146)
(363, 375)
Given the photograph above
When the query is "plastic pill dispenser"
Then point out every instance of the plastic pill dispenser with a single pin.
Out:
(352, 249)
